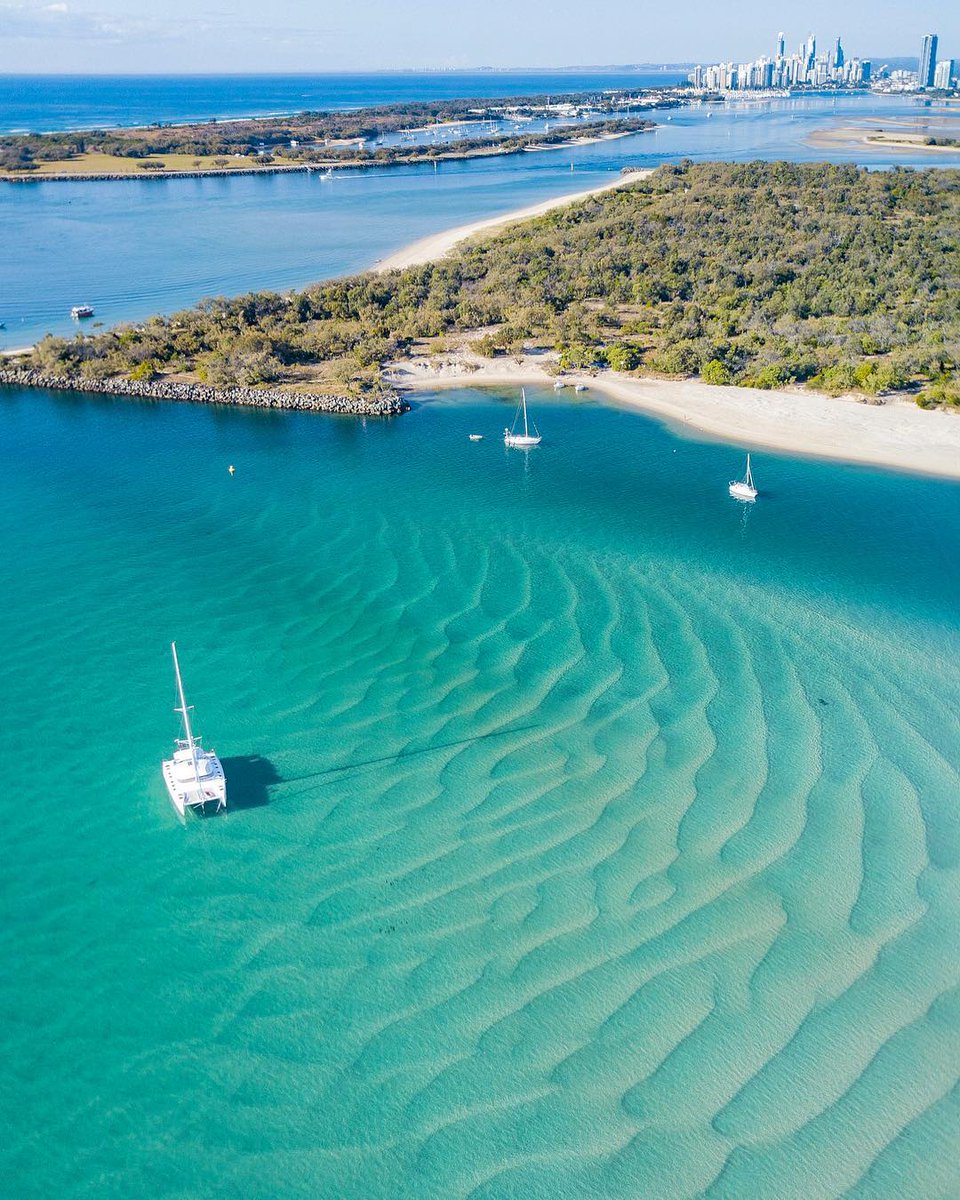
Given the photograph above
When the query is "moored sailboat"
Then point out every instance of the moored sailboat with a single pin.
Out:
(194, 776)
(521, 440)
(744, 489)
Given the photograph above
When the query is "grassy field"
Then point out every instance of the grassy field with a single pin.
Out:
(110, 164)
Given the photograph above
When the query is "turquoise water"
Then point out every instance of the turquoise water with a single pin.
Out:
(592, 835)
(139, 247)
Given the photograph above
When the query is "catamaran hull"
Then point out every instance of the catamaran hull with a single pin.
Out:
(213, 790)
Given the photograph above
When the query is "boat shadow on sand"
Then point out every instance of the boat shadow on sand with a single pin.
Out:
(249, 779)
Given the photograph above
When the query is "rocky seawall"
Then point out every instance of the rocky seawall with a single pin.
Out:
(120, 176)
(387, 405)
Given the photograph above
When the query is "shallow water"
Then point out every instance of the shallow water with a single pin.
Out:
(592, 835)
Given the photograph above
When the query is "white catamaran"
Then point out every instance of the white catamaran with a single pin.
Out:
(525, 439)
(194, 776)
(743, 489)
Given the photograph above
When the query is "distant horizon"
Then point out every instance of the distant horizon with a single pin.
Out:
(567, 68)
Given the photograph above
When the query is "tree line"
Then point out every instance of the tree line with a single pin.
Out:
(757, 274)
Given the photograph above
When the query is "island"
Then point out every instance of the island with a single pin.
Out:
(767, 277)
(413, 132)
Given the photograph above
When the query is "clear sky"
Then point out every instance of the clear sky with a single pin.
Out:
(324, 35)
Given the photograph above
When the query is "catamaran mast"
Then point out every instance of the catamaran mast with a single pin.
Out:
(183, 709)
(185, 713)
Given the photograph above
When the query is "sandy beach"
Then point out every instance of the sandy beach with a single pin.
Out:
(893, 134)
(894, 434)
(437, 245)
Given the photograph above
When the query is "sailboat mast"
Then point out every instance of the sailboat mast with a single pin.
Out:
(183, 710)
(523, 398)
(749, 476)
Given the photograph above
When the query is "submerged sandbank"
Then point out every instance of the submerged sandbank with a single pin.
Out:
(853, 137)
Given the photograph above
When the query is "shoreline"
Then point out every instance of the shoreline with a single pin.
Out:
(438, 245)
(200, 393)
(854, 137)
(48, 171)
(320, 166)
(896, 435)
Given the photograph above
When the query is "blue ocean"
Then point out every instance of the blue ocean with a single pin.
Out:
(591, 835)
(41, 103)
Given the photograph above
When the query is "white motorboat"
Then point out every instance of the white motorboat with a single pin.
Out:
(80, 312)
(194, 776)
(521, 441)
(558, 385)
(743, 489)
(579, 387)
(476, 437)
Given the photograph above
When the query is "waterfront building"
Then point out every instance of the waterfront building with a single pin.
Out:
(928, 59)
(944, 75)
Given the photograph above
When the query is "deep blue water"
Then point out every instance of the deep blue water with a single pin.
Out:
(48, 102)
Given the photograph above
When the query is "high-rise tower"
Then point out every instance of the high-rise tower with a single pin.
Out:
(838, 59)
(781, 46)
(928, 60)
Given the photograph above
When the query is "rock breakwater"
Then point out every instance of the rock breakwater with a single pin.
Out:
(385, 405)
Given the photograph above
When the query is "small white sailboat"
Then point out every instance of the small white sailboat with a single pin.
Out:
(194, 776)
(743, 489)
(521, 440)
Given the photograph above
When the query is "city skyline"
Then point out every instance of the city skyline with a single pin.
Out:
(811, 67)
(122, 36)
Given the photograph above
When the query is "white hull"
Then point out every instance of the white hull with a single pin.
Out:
(194, 777)
(189, 789)
(522, 441)
(743, 489)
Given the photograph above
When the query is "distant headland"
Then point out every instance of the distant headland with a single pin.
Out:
(410, 133)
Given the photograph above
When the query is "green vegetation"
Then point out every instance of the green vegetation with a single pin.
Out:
(758, 274)
(348, 137)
